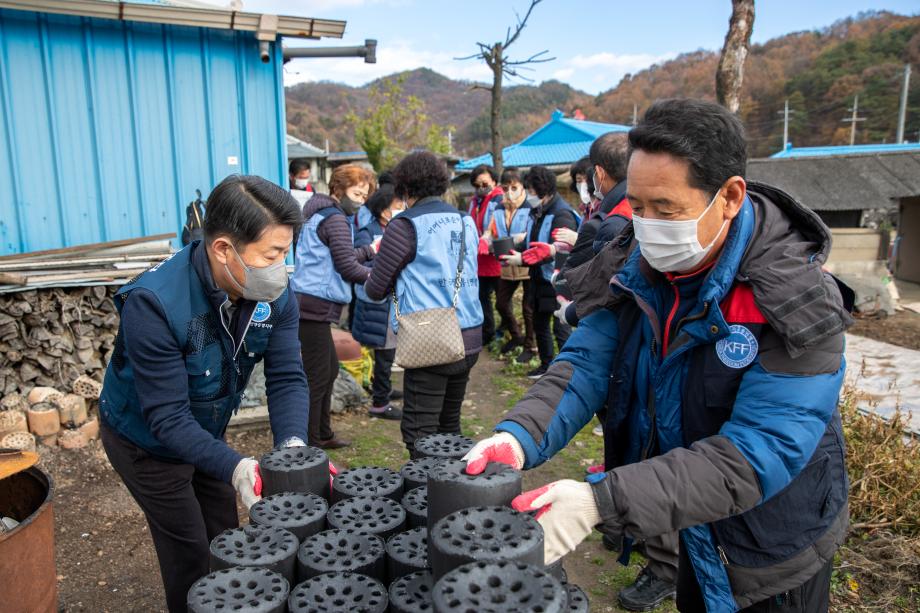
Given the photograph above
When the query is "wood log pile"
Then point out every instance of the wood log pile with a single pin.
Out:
(57, 317)
(52, 336)
(51, 417)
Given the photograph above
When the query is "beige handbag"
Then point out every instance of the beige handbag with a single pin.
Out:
(432, 337)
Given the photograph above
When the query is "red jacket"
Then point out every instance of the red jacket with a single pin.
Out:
(481, 210)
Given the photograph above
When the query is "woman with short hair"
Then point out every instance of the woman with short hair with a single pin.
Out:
(418, 261)
(326, 265)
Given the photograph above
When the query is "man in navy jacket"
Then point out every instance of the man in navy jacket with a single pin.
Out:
(719, 355)
(192, 329)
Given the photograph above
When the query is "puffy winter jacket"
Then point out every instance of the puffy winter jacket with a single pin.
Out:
(732, 434)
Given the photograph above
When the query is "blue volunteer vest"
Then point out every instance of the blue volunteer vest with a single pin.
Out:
(519, 221)
(372, 317)
(217, 374)
(427, 282)
(314, 271)
(543, 235)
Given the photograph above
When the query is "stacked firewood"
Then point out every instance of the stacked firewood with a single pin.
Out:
(51, 417)
(49, 337)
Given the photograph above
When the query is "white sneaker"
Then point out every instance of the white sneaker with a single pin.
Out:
(598, 431)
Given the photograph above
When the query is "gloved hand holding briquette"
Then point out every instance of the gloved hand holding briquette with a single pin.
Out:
(566, 510)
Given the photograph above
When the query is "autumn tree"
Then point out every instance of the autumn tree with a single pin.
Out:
(730, 73)
(495, 57)
(394, 124)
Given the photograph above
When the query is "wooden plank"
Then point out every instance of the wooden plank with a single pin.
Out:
(87, 247)
(9, 278)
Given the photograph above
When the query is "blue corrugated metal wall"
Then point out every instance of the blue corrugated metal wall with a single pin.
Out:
(107, 128)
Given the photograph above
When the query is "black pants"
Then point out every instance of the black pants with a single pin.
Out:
(813, 596)
(541, 325)
(504, 304)
(487, 287)
(432, 398)
(185, 509)
(321, 366)
(381, 386)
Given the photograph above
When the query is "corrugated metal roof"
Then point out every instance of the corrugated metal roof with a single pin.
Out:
(842, 183)
(560, 141)
(834, 150)
(297, 148)
(108, 127)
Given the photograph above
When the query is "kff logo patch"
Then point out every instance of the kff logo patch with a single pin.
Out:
(263, 311)
(739, 348)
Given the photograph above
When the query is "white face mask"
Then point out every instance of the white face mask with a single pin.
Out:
(597, 187)
(301, 183)
(673, 246)
(534, 201)
(583, 193)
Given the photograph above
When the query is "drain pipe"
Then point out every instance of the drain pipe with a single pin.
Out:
(368, 51)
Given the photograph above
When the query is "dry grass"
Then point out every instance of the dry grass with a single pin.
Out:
(878, 568)
(884, 468)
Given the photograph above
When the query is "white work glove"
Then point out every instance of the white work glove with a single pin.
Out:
(247, 480)
(294, 441)
(565, 235)
(500, 447)
(560, 312)
(512, 259)
(567, 511)
(375, 246)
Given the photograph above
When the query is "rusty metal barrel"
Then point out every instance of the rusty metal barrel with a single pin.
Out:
(28, 580)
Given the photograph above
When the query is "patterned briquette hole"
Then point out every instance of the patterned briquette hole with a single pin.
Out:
(293, 508)
(418, 469)
(497, 530)
(413, 590)
(341, 549)
(576, 598)
(293, 458)
(374, 514)
(482, 583)
(417, 499)
(368, 480)
(444, 445)
(235, 588)
(411, 545)
(252, 542)
(343, 592)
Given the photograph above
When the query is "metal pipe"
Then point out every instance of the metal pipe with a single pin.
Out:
(368, 51)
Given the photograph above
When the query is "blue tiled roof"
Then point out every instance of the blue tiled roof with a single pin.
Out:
(793, 152)
(561, 141)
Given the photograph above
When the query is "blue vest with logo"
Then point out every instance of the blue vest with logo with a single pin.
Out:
(217, 373)
(314, 271)
(427, 282)
(519, 221)
(372, 318)
(543, 234)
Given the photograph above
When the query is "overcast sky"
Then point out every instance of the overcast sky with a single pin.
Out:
(595, 43)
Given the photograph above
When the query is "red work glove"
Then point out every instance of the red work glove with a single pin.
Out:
(333, 472)
(537, 253)
(483, 246)
(500, 447)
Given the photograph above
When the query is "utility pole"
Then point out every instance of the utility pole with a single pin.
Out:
(853, 119)
(902, 111)
(450, 142)
(785, 113)
(635, 114)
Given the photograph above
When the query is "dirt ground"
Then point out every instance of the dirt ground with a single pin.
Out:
(105, 558)
(902, 329)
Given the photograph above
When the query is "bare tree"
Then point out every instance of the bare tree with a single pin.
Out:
(730, 73)
(494, 57)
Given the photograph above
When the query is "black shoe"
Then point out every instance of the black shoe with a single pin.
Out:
(537, 372)
(646, 593)
(524, 357)
(511, 345)
(396, 394)
(390, 412)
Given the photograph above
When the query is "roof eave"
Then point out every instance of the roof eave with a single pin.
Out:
(221, 19)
